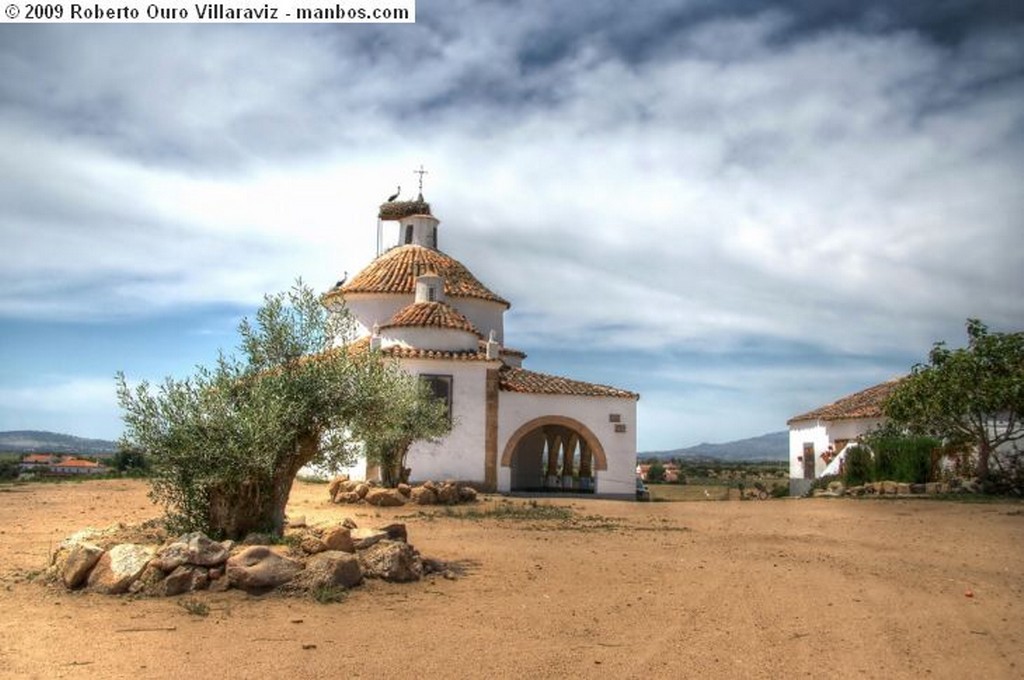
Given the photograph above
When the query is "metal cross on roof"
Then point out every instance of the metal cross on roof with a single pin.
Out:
(421, 172)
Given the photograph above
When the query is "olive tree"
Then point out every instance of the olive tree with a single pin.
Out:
(412, 414)
(971, 397)
(226, 443)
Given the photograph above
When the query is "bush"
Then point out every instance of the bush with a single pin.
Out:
(902, 458)
(858, 464)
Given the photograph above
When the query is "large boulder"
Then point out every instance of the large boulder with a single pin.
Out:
(186, 579)
(258, 567)
(339, 538)
(384, 498)
(75, 564)
(448, 494)
(423, 495)
(391, 561)
(335, 485)
(467, 494)
(118, 567)
(331, 568)
(396, 532)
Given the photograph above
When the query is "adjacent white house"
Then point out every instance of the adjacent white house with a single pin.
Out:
(513, 429)
(817, 436)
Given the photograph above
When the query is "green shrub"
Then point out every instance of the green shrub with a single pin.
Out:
(857, 469)
(901, 457)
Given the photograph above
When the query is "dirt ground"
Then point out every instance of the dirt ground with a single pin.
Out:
(784, 588)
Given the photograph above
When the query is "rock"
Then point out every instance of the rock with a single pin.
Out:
(256, 538)
(467, 494)
(311, 545)
(228, 545)
(78, 562)
(837, 487)
(422, 495)
(887, 487)
(258, 567)
(335, 486)
(404, 489)
(205, 552)
(118, 567)
(903, 489)
(448, 494)
(931, 487)
(331, 568)
(361, 490)
(396, 532)
(364, 538)
(186, 579)
(391, 561)
(297, 523)
(917, 488)
(339, 538)
(384, 498)
(150, 581)
(349, 523)
(347, 497)
(173, 555)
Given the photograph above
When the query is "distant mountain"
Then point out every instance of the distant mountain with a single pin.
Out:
(771, 446)
(35, 441)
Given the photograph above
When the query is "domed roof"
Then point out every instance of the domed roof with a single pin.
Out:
(431, 315)
(396, 270)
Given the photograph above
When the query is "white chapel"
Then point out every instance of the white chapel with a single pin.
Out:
(513, 429)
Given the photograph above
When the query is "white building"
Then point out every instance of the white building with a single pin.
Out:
(824, 432)
(513, 429)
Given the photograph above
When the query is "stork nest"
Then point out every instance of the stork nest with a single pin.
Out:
(396, 210)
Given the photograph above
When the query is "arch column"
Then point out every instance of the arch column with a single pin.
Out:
(553, 440)
(568, 454)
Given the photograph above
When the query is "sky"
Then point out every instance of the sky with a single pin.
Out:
(740, 209)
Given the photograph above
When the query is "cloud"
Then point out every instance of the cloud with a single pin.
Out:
(698, 177)
(85, 406)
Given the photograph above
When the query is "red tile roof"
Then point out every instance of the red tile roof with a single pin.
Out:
(363, 345)
(431, 315)
(396, 270)
(864, 404)
(530, 382)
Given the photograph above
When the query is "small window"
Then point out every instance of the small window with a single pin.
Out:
(431, 293)
(408, 234)
(441, 387)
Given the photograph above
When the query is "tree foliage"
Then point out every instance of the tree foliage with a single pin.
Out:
(656, 473)
(225, 444)
(971, 397)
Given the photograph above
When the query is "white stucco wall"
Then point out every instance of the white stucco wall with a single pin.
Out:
(516, 409)
(449, 340)
(822, 434)
(460, 455)
(370, 308)
(483, 314)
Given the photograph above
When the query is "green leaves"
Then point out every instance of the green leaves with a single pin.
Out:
(973, 396)
(226, 443)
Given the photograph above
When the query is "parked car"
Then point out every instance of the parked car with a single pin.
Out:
(642, 492)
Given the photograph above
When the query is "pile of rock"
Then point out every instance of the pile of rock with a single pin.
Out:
(889, 488)
(345, 490)
(311, 557)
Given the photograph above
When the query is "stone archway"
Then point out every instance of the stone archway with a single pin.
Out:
(554, 453)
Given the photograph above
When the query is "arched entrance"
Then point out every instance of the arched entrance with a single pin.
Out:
(554, 454)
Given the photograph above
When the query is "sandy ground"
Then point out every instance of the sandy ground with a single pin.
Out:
(809, 588)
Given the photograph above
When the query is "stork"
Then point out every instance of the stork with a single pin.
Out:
(344, 278)
(395, 195)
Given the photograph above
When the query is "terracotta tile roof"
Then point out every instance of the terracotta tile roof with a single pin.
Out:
(363, 345)
(431, 315)
(864, 404)
(396, 270)
(513, 352)
(530, 382)
(76, 462)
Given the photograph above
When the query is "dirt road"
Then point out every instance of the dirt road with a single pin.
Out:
(837, 587)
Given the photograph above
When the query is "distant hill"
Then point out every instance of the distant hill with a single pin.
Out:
(771, 446)
(35, 441)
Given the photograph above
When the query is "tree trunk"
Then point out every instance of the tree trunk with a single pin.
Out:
(258, 506)
(984, 453)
